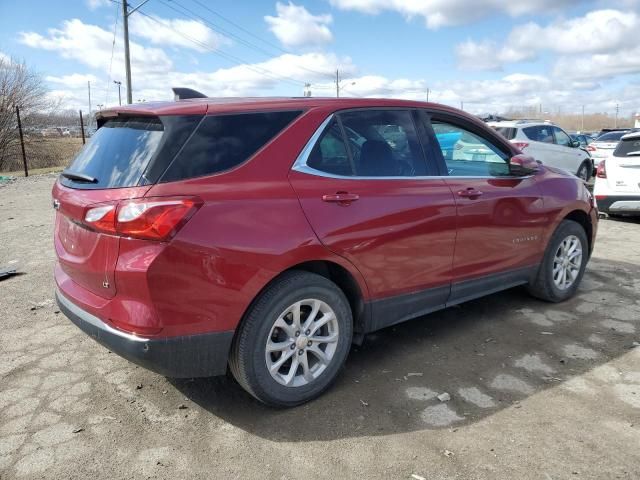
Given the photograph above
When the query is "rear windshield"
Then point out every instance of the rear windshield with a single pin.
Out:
(130, 151)
(222, 142)
(629, 147)
(506, 132)
(611, 137)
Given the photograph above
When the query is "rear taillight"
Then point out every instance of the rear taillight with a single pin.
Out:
(591, 148)
(147, 218)
(601, 172)
(521, 145)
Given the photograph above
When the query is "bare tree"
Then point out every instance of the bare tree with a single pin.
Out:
(19, 86)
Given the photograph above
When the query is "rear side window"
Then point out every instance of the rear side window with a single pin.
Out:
(539, 133)
(611, 137)
(629, 147)
(507, 132)
(222, 142)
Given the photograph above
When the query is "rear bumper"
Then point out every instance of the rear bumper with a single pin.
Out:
(202, 355)
(627, 204)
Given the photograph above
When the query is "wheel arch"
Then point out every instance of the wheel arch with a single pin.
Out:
(582, 218)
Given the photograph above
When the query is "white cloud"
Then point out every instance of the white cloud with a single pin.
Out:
(296, 27)
(600, 66)
(597, 32)
(442, 13)
(73, 80)
(176, 32)
(91, 46)
(95, 4)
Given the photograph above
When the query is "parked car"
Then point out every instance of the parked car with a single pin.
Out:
(617, 186)
(605, 144)
(268, 235)
(548, 143)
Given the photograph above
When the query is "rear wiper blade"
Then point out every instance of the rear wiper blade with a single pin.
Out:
(78, 177)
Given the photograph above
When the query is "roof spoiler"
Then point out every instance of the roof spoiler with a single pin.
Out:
(181, 93)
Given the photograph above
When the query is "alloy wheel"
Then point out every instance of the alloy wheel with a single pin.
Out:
(567, 262)
(302, 342)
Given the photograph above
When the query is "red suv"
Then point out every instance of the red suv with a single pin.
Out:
(267, 235)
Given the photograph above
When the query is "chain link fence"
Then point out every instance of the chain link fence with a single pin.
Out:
(44, 146)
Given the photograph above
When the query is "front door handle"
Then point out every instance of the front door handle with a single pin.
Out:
(470, 193)
(342, 198)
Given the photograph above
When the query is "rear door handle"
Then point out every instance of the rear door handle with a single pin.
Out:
(342, 198)
(469, 193)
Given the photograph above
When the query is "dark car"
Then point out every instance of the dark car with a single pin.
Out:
(267, 235)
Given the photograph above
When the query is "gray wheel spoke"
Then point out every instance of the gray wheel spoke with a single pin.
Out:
(293, 369)
(326, 318)
(278, 346)
(282, 325)
(320, 355)
(295, 310)
(283, 358)
(306, 373)
(325, 339)
(312, 315)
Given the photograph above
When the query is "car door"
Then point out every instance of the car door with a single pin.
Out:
(370, 196)
(500, 216)
(570, 156)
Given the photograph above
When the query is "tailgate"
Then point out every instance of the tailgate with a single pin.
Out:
(88, 257)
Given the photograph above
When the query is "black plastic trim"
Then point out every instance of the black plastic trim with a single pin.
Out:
(203, 355)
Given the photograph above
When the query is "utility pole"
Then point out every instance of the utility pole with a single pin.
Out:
(428, 91)
(337, 83)
(582, 128)
(89, 87)
(24, 155)
(127, 59)
(617, 110)
(461, 105)
(119, 85)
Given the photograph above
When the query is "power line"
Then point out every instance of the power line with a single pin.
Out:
(227, 56)
(113, 47)
(195, 16)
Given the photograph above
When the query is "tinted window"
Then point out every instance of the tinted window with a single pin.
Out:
(506, 132)
(222, 142)
(118, 154)
(561, 137)
(467, 154)
(629, 147)
(539, 133)
(611, 136)
(383, 143)
(330, 153)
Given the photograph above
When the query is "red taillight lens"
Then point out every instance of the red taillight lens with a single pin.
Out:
(591, 148)
(521, 145)
(154, 218)
(601, 172)
(101, 218)
(148, 218)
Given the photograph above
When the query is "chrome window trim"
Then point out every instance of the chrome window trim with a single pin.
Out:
(300, 165)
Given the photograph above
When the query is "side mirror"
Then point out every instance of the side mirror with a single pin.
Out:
(521, 165)
(576, 144)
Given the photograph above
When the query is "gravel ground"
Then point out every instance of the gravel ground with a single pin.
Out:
(537, 391)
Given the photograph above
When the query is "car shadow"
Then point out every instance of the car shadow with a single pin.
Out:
(487, 354)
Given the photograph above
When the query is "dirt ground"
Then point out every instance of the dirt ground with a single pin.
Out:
(538, 391)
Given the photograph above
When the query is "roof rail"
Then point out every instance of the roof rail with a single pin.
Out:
(529, 120)
(181, 93)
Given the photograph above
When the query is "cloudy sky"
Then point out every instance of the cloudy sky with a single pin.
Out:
(488, 54)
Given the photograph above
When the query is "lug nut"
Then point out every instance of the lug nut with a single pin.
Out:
(293, 346)
(307, 332)
(297, 334)
(309, 343)
(300, 352)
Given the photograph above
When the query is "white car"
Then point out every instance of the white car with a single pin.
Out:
(603, 146)
(548, 143)
(617, 187)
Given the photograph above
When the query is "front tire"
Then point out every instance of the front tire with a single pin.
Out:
(563, 264)
(293, 341)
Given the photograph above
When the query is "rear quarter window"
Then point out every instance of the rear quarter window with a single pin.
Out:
(507, 132)
(222, 142)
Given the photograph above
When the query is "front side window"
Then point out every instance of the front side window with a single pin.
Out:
(562, 138)
(467, 154)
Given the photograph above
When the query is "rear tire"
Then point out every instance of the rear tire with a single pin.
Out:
(584, 172)
(563, 264)
(293, 341)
